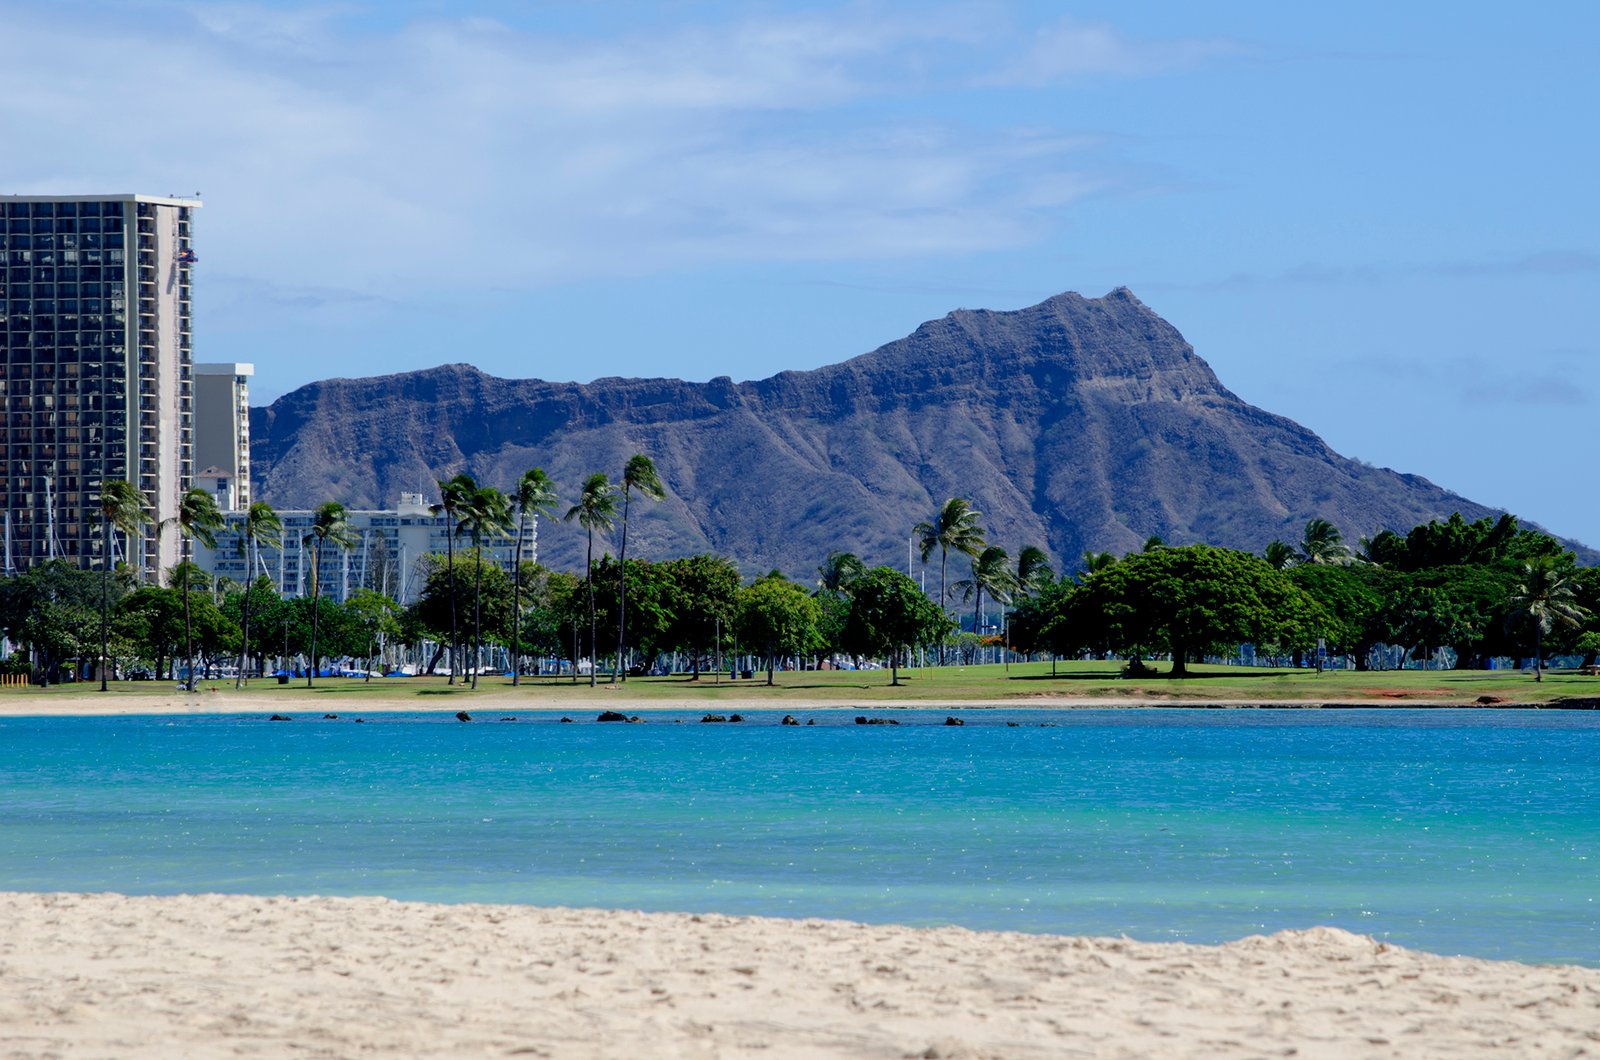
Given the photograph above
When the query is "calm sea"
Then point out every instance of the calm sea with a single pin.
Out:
(1473, 832)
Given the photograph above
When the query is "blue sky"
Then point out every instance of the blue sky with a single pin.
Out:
(1376, 219)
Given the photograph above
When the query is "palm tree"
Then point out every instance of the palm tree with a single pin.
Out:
(329, 523)
(840, 571)
(486, 513)
(1094, 562)
(954, 526)
(596, 510)
(261, 527)
(1545, 596)
(198, 517)
(536, 496)
(1034, 572)
(639, 474)
(1278, 555)
(1323, 543)
(452, 494)
(121, 508)
(991, 573)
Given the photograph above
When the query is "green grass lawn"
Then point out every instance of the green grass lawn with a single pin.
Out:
(1021, 685)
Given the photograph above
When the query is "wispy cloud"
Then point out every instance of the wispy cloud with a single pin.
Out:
(1542, 263)
(1074, 49)
(1475, 382)
(391, 157)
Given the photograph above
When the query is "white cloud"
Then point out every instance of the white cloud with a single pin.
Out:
(1073, 49)
(468, 152)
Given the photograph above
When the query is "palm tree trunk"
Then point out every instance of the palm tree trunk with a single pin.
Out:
(944, 565)
(1538, 650)
(450, 571)
(316, 590)
(188, 630)
(105, 596)
(622, 597)
(244, 619)
(594, 661)
(516, 601)
(477, 613)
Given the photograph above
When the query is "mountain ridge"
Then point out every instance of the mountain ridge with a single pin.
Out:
(1076, 423)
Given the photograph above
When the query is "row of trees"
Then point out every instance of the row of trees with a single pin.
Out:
(1485, 590)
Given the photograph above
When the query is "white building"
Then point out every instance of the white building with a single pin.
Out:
(387, 555)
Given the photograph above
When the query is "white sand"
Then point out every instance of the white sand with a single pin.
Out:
(222, 976)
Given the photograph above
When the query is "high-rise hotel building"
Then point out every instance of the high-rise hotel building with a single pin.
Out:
(95, 352)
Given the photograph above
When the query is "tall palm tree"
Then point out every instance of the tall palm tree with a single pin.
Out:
(991, 573)
(1323, 543)
(596, 510)
(1034, 572)
(1544, 597)
(954, 526)
(535, 496)
(330, 524)
(1279, 555)
(261, 527)
(452, 494)
(486, 513)
(198, 518)
(639, 474)
(121, 508)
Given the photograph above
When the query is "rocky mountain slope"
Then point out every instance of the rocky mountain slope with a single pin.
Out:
(1076, 424)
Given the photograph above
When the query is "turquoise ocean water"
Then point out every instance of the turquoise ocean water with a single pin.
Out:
(1473, 832)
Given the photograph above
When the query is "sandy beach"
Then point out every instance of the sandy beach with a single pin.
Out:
(105, 975)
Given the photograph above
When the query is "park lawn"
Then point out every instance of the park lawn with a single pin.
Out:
(1024, 684)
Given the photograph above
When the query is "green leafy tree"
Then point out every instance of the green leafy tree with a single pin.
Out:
(639, 474)
(1196, 599)
(1094, 562)
(121, 508)
(261, 527)
(485, 514)
(449, 586)
(330, 525)
(150, 620)
(53, 608)
(707, 588)
(779, 617)
(1351, 599)
(378, 616)
(535, 496)
(890, 615)
(596, 510)
(954, 526)
(198, 518)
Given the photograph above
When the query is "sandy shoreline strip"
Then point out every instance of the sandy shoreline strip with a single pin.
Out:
(586, 707)
(230, 975)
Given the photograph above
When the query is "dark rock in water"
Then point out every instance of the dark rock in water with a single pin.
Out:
(863, 720)
(280, 717)
(811, 721)
(566, 721)
(736, 717)
(361, 721)
(509, 717)
(1011, 725)
(709, 718)
(788, 719)
(611, 715)
(462, 715)
(330, 717)
(952, 720)
(635, 720)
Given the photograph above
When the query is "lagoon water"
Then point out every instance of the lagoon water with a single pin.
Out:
(1474, 832)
